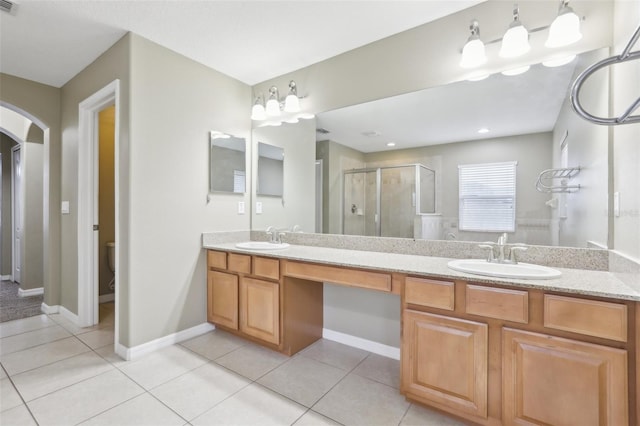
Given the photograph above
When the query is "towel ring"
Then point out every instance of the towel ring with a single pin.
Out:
(625, 117)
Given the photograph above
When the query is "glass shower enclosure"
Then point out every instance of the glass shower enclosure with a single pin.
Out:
(385, 201)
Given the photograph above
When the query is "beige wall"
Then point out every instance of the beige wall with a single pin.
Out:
(106, 194)
(111, 65)
(42, 103)
(5, 215)
(625, 88)
(175, 103)
(297, 206)
(32, 241)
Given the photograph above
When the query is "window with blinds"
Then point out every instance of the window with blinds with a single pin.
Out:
(239, 178)
(487, 195)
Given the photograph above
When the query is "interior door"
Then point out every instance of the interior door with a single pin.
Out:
(17, 214)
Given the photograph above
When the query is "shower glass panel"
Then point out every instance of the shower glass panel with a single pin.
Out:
(360, 203)
(385, 201)
(397, 201)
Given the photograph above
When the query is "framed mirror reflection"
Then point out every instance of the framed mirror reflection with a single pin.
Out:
(227, 160)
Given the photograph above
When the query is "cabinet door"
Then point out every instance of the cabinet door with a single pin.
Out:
(445, 360)
(553, 381)
(260, 309)
(222, 299)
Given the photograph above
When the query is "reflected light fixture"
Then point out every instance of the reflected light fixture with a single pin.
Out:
(558, 62)
(391, 144)
(515, 41)
(473, 53)
(565, 29)
(483, 130)
(516, 71)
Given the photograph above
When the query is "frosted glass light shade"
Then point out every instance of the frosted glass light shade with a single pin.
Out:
(291, 103)
(273, 108)
(473, 54)
(558, 62)
(258, 113)
(564, 30)
(516, 71)
(515, 42)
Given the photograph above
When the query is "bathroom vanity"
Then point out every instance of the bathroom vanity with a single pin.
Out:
(499, 351)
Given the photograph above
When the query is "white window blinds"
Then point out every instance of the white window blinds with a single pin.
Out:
(487, 195)
(239, 178)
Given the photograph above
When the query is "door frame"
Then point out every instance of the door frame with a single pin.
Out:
(16, 196)
(88, 282)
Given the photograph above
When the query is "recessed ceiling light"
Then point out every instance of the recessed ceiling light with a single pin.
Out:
(391, 144)
(516, 71)
(483, 130)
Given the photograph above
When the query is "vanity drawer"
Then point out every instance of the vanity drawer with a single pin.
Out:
(589, 317)
(216, 259)
(266, 267)
(430, 293)
(499, 303)
(339, 275)
(240, 263)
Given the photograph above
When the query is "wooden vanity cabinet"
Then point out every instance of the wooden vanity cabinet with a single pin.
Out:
(550, 380)
(445, 361)
(260, 309)
(222, 299)
(501, 356)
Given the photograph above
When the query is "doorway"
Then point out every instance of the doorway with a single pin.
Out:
(90, 248)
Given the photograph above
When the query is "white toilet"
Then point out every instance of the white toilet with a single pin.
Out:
(111, 256)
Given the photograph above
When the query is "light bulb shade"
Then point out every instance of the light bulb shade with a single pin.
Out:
(473, 53)
(258, 113)
(516, 71)
(564, 30)
(515, 42)
(291, 103)
(273, 108)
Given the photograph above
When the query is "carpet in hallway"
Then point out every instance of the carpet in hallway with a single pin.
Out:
(13, 306)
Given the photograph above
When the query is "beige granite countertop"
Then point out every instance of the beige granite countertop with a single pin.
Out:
(576, 281)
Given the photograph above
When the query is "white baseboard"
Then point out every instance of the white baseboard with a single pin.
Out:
(145, 348)
(30, 292)
(6, 278)
(57, 309)
(104, 298)
(360, 343)
(46, 309)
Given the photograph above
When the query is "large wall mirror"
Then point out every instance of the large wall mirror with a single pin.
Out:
(270, 170)
(484, 147)
(227, 160)
(524, 120)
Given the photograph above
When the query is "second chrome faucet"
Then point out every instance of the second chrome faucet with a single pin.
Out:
(501, 245)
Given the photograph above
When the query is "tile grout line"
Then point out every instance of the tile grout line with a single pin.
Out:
(20, 395)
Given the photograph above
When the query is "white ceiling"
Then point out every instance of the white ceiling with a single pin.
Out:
(527, 103)
(50, 41)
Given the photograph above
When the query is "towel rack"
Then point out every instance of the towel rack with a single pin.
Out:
(545, 179)
(626, 117)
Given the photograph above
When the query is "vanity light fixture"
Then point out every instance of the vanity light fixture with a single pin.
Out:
(515, 41)
(277, 110)
(565, 28)
(273, 103)
(473, 53)
(478, 77)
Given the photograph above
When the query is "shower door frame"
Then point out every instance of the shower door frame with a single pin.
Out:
(378, 170)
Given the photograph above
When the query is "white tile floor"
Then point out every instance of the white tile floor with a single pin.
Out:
(54, 373)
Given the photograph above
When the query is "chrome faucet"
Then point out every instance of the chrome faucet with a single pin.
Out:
(501, 245)
(275, 235)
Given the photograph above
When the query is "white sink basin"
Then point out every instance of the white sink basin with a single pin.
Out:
(262, 245)
(525, 271)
